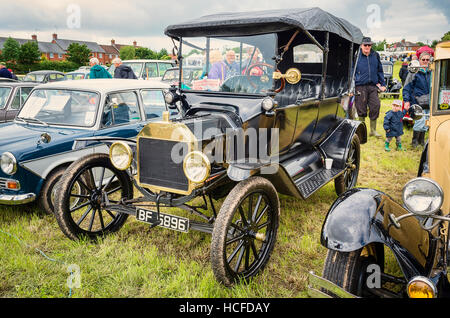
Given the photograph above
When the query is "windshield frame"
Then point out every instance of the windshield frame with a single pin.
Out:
(180, 57)
(97, 106)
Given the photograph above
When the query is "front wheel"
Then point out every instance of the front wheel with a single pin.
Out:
(349, 270)
(101, 184)
(245, 231)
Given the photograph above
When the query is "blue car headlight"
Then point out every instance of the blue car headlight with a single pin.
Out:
(8, 163)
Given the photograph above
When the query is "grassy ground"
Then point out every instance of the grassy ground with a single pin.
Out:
(138, 262)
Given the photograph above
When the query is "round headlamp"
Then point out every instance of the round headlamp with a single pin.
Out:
(8, 163)
(267, 103)
(421, 287)
(423, 196)
(169, 97)
(121, 155)
(196, 166)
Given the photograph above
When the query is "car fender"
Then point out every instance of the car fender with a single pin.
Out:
(360, 217)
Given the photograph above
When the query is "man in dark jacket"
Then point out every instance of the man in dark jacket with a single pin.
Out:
(369, 78)
(123, 71)
(4, 71)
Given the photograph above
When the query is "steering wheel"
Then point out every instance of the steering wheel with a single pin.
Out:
(249, 78)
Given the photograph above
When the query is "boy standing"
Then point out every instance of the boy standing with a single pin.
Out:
(393, 124)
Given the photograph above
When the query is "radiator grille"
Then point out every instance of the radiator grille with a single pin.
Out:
(156, 167)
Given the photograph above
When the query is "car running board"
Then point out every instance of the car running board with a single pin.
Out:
(312, 182)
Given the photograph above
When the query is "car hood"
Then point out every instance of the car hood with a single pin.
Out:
(22, 140)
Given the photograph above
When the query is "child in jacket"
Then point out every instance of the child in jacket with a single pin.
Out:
(393, 124)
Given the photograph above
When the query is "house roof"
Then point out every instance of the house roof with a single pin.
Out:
(109, 49)
(93, 46)
(44, 47)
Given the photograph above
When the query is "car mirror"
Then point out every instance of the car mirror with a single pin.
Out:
(416, 112)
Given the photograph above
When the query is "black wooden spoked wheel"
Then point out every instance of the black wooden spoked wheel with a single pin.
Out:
(245, 231)
(349, 178)
(102, 184)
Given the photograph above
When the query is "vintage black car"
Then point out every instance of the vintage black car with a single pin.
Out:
(393, 85)
(269, 125)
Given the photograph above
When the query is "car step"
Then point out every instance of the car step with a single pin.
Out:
(315, 180)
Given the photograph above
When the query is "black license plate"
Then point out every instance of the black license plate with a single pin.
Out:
(168, 221)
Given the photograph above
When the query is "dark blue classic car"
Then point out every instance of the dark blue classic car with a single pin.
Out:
(37, 146)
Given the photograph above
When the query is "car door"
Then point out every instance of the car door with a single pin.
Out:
(121, 115)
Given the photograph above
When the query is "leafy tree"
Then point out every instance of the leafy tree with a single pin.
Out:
(127, 52)
(446, 37)
(29, 53)
(379, 46)
(78, 54)
(145, 53)
(11, 50)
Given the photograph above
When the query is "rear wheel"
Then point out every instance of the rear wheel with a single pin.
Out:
(100, 184)
(349, 178)
(245, 231)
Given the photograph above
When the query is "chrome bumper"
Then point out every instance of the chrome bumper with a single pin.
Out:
(319, 286)
(17, 199)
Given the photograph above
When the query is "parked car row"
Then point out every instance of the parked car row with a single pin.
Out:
(236, 134)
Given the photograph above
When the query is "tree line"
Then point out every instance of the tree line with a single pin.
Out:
(27, 57)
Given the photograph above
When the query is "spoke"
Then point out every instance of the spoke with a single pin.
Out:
(79, 207)
(110, 214)
(241, 212)
(101, 178)
(263, 225)
(109, 182)
(247, 257)
(91, 175)
(261, 214)
(237, 227)
(235, 239)
(101, 219)
(236, 250)
(258, 203)
(114, 190)
(255, 252)
(239, 261)
(250, 205)
(79, 196)
(83, 184)
(92, 220)
(84, 216)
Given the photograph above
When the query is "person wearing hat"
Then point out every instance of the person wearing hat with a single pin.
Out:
(4, 71)
(369, 79)
(417, 91)
(393, 124)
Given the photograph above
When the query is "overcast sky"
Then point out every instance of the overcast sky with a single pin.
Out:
(145, 20)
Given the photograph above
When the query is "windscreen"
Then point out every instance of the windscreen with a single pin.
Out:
(230, 64)
(60, 107)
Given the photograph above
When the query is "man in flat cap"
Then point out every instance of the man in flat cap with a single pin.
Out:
(369, 79)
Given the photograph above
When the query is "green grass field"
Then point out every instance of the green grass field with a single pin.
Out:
(139, 262)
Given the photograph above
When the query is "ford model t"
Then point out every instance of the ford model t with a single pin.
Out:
(264, 118)
(363, 221)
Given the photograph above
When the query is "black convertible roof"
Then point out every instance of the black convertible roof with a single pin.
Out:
(268, 21)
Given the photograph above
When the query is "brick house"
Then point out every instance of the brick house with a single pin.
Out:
(49, 51)
(96, 50)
